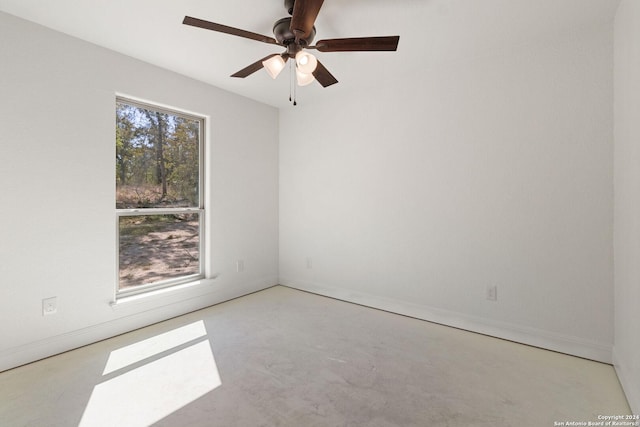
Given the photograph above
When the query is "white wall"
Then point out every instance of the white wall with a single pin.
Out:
(627, 199)
(57, 222)
(416, 195)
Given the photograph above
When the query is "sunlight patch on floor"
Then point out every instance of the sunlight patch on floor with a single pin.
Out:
(153, 346)
(143, 395)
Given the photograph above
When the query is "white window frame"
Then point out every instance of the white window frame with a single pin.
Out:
(200, 210)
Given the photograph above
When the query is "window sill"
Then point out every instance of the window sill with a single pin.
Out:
(146, 296)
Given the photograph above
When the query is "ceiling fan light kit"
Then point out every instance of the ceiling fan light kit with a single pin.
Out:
(306, 62)
(296, 33)
(304, 79)
(274, 65)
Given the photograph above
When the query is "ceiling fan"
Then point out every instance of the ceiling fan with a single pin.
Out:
(295, 33)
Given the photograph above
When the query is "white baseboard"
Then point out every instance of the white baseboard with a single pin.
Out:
(535, 337)
(27, 353)
(631, 388)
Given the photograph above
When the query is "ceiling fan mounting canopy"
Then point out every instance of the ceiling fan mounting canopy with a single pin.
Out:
(296, 33)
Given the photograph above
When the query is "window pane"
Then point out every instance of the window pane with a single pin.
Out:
(155, 248)
(157, 159)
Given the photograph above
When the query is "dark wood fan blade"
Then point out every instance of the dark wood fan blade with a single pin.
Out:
(359, 44)
(304, 16)
(323, 76)
(200, 23)
(247, 71)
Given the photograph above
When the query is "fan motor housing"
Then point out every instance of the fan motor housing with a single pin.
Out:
(284, 35)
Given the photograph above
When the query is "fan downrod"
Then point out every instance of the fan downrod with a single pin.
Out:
(288, 5)
(283, 33)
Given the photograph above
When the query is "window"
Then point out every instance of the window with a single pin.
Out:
(159, 197)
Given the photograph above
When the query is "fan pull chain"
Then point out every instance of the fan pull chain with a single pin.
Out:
(293, 83)
(290, 80)
(294, 93)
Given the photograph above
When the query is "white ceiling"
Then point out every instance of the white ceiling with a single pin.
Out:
(431, 31)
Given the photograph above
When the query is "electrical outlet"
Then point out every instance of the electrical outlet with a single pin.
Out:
(492, 293)
(240, 266)
(49, 306)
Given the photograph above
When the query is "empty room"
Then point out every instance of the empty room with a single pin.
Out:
(320, 213)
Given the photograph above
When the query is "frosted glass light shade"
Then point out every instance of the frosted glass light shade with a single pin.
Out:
(306, 62)
(274, 65)
(304, 78)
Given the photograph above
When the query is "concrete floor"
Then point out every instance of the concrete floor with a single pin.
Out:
(282, 357)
